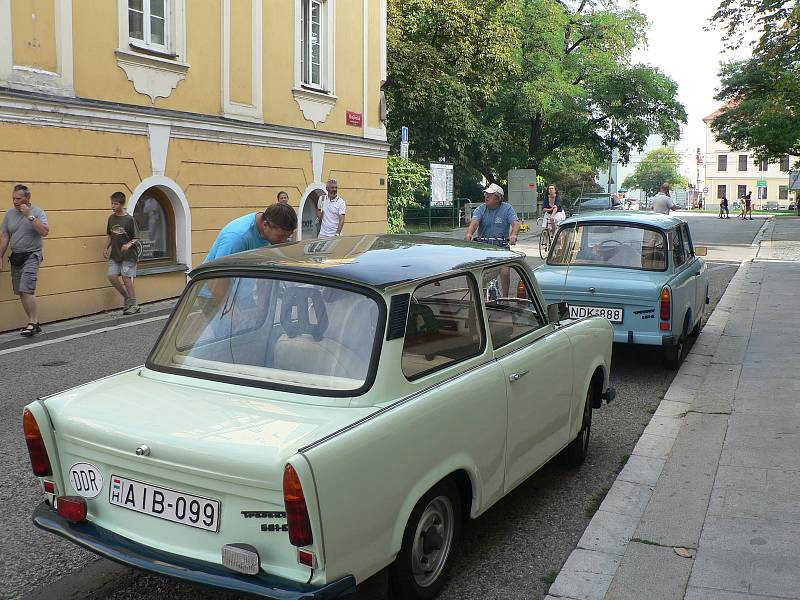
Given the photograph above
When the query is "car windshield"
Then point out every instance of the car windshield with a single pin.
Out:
(593, 203)
(272, 332)
(610, 245)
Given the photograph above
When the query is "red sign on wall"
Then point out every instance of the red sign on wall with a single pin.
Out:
(354, 118)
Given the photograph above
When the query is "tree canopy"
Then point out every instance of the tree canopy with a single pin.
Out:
(659, 166)
(493, 85)
(761, 94)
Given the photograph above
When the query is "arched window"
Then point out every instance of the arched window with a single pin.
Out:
(156, 221)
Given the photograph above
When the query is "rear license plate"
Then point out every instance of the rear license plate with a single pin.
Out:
(171, 505)
(612, 314)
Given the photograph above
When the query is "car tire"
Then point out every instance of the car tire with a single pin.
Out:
(674, 354)
(578, 449)
(432, 531)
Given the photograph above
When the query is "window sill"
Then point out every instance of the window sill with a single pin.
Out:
(143, 49)
(151, 75)
(315, 105)
(158, 269)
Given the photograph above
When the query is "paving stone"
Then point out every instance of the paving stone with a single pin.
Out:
(740, 323)
(757, 536)
(642, 469)
(741, 478)
(678, 394)
(663, 425)
(653, 446)
(742, 571)
(608, 533)
(697, 593)
(626, 498)
(778, 403)
(731, 350)
(588, 561)
(580, 586)
(716, 394)
(650, 572)
(675, 513)
(670, 408)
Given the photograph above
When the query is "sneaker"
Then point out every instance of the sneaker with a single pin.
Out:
(31, 329)
(131, 309)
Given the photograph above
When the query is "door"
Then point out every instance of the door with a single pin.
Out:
(684, 283)
(537, 366)
(698, 269)
(308, 219)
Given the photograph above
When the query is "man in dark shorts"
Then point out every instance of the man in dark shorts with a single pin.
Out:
(24, 227)
(120, 250)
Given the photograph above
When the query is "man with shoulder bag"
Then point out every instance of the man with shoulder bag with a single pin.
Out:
(23, 228)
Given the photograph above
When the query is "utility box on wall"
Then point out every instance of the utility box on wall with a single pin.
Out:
(522, 192)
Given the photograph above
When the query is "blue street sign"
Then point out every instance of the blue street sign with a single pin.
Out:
(404, 134)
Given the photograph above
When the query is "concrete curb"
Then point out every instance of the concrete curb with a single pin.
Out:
(592, 567)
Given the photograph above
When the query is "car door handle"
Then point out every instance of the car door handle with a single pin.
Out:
(517, 376)
(697, 274)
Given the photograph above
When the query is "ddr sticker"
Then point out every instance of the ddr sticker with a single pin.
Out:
(86, 479)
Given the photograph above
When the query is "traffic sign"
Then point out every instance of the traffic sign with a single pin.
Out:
(762, 183)
(705, 190)
(403, 149)
(794, 180)
(404, 134)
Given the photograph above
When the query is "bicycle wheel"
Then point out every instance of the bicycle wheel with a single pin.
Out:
(544, 243)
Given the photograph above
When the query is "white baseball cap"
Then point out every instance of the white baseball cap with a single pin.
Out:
(493, 188)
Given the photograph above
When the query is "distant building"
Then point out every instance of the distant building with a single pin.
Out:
(733, 173)
(199, 112)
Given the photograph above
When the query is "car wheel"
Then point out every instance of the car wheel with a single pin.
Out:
(578, 449)
(698, 327)
(674, 355)
(419, 571)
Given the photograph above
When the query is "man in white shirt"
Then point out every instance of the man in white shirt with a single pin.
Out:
(331, 211)
(662, 203)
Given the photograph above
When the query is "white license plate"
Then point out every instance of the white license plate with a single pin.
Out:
(171, 505)
(612, 314)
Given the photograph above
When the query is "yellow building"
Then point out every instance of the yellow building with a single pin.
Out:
(199, 110)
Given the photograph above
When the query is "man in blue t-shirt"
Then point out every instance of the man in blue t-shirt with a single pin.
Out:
(493, 218)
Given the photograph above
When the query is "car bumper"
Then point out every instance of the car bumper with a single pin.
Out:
(127, 552)
(644, 338)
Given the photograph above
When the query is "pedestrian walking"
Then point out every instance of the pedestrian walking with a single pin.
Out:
(122, 250)
(331, 211)
(748, 206)
(662, 203)
(723, 208)
(24, 227)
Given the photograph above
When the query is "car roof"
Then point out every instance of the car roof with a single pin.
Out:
(632, 217)
(380, 261)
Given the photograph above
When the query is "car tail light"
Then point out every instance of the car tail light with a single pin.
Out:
(49, 487)
(296, 510)
(521, 291)
(72, 508)
(304, 557)
(36, 448)
(666, 308)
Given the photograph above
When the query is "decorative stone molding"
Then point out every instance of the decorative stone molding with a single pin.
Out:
(151, 75)
(316, 106)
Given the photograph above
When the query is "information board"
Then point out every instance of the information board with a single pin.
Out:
(441, 185)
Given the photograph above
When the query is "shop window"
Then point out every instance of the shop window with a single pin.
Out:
(149, 24)
(156, 222)
(743, 162)
(722, 162)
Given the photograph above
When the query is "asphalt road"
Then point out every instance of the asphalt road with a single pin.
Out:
(510, 552)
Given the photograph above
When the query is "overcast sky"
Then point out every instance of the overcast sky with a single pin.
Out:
(678, 45)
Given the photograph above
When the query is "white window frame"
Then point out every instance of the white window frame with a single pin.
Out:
(762, 195)
(174, 30)
(326, 83)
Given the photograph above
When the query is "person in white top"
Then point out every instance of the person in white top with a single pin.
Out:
(331, 211)
(662, 203)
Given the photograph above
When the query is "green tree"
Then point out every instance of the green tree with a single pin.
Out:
(407, 179)
(657, 167)
(761, 94)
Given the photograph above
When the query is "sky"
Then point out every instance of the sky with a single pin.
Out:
(679, 46)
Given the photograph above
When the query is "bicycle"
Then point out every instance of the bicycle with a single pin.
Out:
(545, 237)
(500, 242)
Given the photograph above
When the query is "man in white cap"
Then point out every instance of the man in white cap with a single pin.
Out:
(493, 218)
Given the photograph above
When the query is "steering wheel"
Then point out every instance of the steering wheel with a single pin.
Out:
(610, 244)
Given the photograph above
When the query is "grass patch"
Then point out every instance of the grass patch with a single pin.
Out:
(623, 460)
(550, 578)
(596, 501)
(651, 409)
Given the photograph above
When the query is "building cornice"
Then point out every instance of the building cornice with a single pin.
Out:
(99, 115)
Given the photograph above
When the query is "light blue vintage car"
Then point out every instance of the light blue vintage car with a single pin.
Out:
(314, 412)
(640, 270)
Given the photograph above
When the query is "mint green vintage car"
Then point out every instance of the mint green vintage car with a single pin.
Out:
(317, 411)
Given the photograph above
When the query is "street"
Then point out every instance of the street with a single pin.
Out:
(512, 551)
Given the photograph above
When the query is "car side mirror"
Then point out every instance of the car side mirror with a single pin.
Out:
(700, 251)
(557, 311)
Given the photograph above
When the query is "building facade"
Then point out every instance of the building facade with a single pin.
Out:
(733, 173)
(199, 112)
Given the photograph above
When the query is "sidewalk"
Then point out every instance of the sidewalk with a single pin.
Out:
(708, 505)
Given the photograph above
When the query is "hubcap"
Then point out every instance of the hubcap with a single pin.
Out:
(432, 541)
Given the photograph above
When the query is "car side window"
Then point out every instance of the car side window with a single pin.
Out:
(510, 305)
(442, 327)
(676, 244)
(688, 250)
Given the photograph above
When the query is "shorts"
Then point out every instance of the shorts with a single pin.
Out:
(126, 268)
(24, 277)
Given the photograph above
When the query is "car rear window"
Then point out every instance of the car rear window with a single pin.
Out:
(273, 333)
(610, 245)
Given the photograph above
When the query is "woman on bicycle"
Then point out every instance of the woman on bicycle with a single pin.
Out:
(551, 206)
